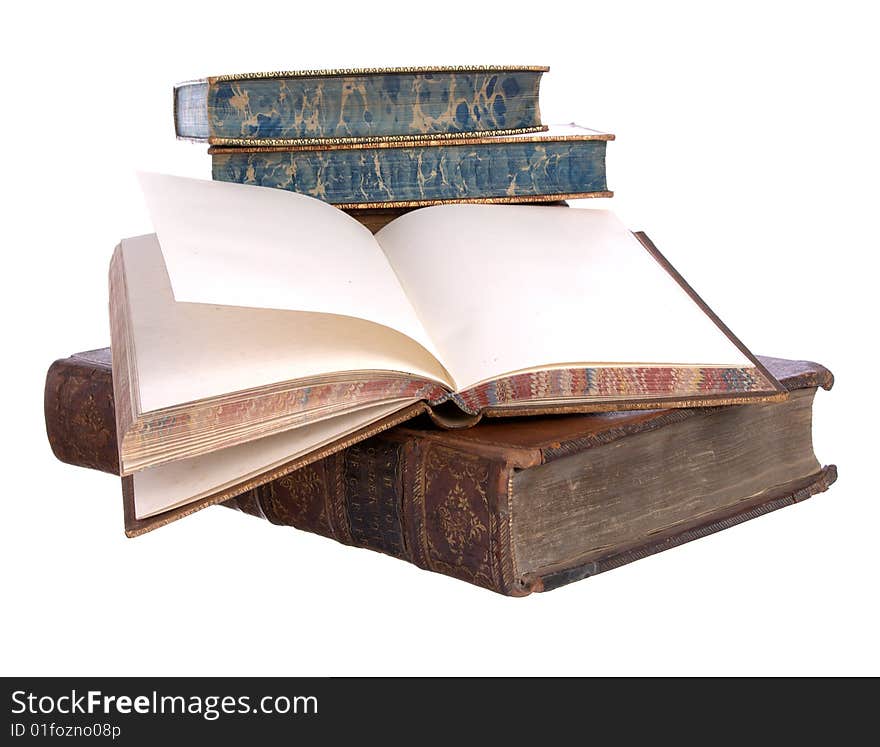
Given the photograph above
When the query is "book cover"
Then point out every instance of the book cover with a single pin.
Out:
(566, 162)
(314, 106)
(514, 506)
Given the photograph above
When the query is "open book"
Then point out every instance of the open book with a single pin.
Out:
(260, 329)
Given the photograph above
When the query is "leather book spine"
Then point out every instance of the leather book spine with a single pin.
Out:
(442, 509)
(79, 410)
(455, 510)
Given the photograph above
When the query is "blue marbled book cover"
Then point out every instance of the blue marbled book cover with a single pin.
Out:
(285, 108)
(490, 169)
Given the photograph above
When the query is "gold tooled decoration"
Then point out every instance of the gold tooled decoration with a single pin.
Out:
(472, 200)
(324, 142)
(336, 72)
(460, 525)
(483, 137)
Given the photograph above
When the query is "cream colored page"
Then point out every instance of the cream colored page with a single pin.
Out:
(160, 488)
(505, 288)
(240, 245)
(186, 352)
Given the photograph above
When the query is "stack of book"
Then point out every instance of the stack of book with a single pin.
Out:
(394, 138)
(518, 396)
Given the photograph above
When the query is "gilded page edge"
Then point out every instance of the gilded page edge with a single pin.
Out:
(135, 527)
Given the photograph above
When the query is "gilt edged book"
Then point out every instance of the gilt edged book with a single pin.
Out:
(516, 504)
(566, 162)
(343, 105)
(258, 330)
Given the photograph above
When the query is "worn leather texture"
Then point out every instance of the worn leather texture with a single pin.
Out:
(434, 497)
(80, 417)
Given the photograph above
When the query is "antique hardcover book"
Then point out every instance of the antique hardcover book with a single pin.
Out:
(342, 105)
(514, 505)
(260, 329)
(566, 162)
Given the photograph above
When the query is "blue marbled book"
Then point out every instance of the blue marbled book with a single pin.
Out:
(341, 105)
(566, 162)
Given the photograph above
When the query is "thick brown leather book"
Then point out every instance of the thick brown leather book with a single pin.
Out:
(516, 505)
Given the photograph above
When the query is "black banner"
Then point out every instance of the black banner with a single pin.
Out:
(140, 710)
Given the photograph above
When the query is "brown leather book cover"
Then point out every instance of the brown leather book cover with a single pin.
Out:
(506, 504)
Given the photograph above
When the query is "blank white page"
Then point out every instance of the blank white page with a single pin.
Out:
(505, 288)
(187, 351)
(240, 245)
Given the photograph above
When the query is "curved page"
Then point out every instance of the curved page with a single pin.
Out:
(167, 486)
(185, 352)
(240, 245)
(511, 288)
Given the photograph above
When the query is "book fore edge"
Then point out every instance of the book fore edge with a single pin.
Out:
(562, 574)
(135, 527)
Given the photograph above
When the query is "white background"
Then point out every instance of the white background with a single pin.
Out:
(746, 147)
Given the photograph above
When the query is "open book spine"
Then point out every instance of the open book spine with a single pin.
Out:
(344, 105)
(433, 498)
(487, 170)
